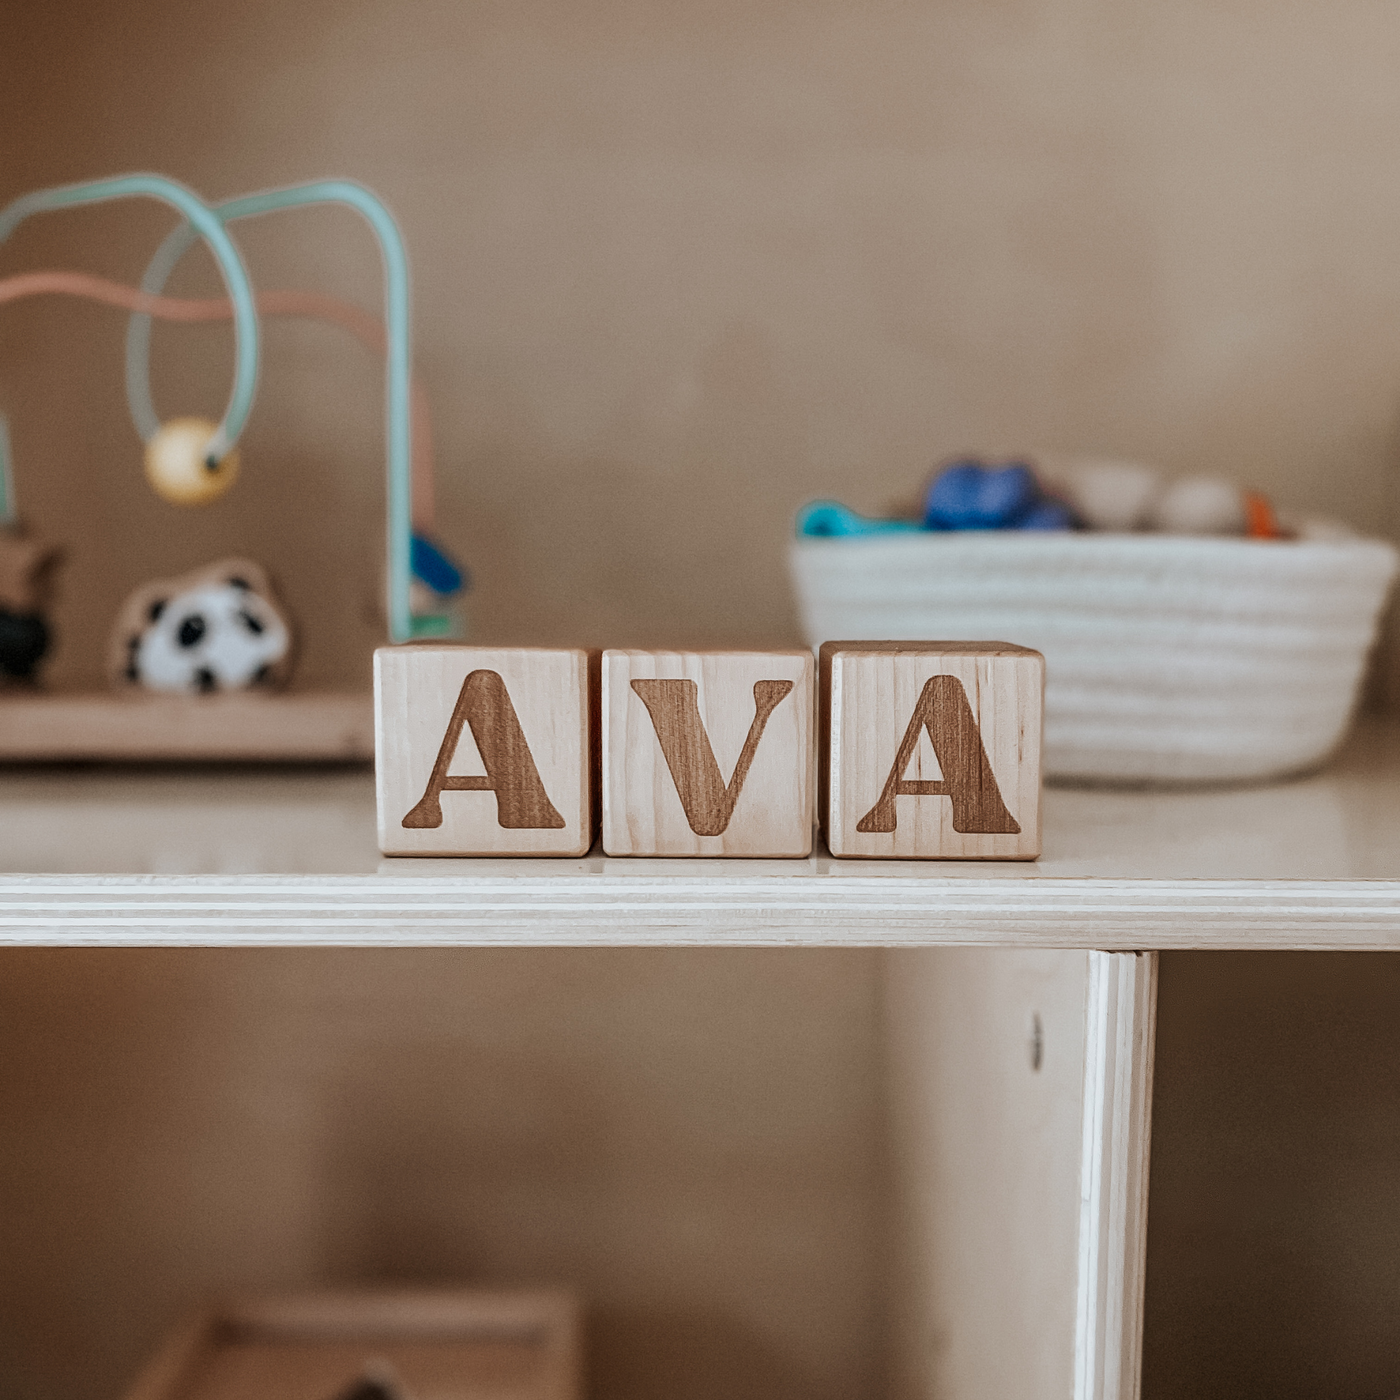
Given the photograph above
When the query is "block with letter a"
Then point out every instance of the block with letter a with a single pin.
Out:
(931, 750)
(483, 751)
(708, 753)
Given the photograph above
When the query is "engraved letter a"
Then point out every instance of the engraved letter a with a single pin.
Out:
(967, 775)
(521, 800)
(675, 713)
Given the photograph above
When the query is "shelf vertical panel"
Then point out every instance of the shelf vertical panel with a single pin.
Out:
(1120, 1030)
(986, 1053)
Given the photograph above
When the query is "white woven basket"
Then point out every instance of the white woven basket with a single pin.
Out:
(1168, 658)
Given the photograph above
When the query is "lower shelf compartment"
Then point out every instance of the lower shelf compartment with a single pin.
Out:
(309, 726)
(453, 1344)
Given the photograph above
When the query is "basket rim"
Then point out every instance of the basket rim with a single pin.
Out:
(1073, 560)
(1081, 542)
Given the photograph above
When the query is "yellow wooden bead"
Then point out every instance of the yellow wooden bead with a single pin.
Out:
(177, 463)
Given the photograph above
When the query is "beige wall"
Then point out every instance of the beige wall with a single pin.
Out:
(679, 267)
(691, 1138)
(1273, 1238)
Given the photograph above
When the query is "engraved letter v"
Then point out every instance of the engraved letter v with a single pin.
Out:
(675, 714)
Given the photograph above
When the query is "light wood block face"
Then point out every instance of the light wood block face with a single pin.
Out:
(931, 750)
(483, 751)
(708, 753)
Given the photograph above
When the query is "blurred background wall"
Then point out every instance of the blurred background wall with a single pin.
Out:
(691, 1138)
(1271, 1272)
(680, 267)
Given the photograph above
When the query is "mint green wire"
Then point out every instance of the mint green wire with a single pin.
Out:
(211, 229)
(138, 331)
(397, 367)
(7, 475)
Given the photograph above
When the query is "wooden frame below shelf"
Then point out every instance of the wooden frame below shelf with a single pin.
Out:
(317, 1343)
(305, 726)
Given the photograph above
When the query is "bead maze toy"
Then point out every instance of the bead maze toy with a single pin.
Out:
(192, 461)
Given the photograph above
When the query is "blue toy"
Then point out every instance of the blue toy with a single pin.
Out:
(968, 495)
(1047, 514)
(965, 495)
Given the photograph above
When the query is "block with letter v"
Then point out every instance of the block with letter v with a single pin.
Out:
(484, 751)
(708, 753)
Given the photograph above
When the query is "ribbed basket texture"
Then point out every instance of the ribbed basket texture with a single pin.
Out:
(1168, 658)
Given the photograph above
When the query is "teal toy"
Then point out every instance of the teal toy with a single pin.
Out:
(831, 518)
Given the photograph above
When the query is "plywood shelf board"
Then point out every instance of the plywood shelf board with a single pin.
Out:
(213, 857)
(594, 908)
(40, 726)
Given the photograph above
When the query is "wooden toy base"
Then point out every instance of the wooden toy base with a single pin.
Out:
(453, 1344)
(309, 726)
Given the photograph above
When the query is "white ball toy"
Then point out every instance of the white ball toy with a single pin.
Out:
(217, 638)
(1199, 505)
(214, 629)
(1109, 495)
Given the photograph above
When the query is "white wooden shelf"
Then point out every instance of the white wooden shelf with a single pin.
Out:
(222, 857)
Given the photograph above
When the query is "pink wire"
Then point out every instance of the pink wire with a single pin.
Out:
(366, 328)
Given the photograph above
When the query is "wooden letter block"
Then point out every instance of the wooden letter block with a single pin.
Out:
(483, 751)
(708, 753)
(931, 750)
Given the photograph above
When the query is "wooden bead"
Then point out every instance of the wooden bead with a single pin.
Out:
(178, 465)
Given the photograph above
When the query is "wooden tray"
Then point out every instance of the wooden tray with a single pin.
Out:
(309, 726)
(441, 1345)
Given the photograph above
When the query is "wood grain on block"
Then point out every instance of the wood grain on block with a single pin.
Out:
(708, 753)
(452, 1344)
(483, 751)
(931, 750)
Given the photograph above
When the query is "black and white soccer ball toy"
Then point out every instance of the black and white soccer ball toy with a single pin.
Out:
(217, 630)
